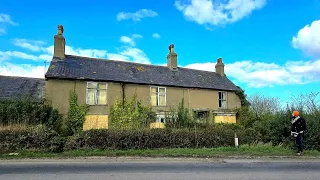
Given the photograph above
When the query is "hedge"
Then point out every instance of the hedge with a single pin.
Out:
(157, 138)
(41, 138)
(38, 138)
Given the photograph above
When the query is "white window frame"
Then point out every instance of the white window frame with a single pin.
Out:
(225, 95)
(159, 117)
(158, 95)
(96, 94)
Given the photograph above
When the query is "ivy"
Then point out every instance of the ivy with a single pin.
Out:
(130, 114)
(242, 96)
(76, 115)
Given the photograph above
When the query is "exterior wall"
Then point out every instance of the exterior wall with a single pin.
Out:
(58, 92)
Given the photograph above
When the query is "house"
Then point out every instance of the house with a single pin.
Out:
(17, 87)
(98, 82)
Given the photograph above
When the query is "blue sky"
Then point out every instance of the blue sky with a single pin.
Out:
(268, 46)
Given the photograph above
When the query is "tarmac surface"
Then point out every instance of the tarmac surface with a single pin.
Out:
(160, 168)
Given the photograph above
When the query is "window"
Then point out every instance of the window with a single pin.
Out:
(222, 100)
(96, 93)
(160, 118)
(201, 115)
(158, 96)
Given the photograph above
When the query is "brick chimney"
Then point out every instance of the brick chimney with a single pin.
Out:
(172, 58)
(220, 67)
(59, 44)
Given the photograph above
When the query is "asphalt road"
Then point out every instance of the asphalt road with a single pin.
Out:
(165, 168)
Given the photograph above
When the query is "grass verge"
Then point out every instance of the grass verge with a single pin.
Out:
(245, 150)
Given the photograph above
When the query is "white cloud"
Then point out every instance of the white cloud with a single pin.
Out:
(42, 52)
(308, 39)
(130, 40)
(23, 70)
(29, 44)
(135, 55)
(259, 74)
(136, 16)
(118, 57)
(137, 36)
(6, 18)
(2, 31)
(218, 12)
(5, 55)
(156, 35)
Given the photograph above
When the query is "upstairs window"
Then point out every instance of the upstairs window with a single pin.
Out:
(222, 100)
(96, 93)
(158, 96)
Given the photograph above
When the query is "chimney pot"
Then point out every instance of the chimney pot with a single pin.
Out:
(220, 67)
(60, 29)
(59, 44)
(172, 58)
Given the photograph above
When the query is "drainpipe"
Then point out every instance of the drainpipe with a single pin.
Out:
(123, 94)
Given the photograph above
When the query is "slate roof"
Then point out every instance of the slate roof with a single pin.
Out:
(15, 87)
(83, 68)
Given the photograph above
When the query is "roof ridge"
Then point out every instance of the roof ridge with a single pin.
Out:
(123, 61)
(21, 77)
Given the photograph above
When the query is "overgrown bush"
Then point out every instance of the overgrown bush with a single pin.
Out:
(180, 117)
(130, 114)
(28, 111)
(37, 138)
(76, 115)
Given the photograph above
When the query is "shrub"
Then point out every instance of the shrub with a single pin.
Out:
(155, 138)
(37, 138)
(28, 111)
(180, 118)
(130, 114)
(76, 115)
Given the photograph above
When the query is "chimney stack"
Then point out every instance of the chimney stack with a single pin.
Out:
(220, 67)
(172, 58)
(59, 44)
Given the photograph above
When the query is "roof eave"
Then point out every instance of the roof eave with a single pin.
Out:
(128, 82)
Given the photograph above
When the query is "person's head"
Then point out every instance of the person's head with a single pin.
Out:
(295, 114)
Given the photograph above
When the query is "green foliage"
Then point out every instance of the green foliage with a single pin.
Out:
(245, 116)
(37, 138)
(242, 96)
(28, 111)
(76, 115)
(157, 138)
(180, 118)
(130, 114)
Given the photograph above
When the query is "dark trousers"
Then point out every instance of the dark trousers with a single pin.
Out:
(299, 142)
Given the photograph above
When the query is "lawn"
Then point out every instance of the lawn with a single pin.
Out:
(244, 151)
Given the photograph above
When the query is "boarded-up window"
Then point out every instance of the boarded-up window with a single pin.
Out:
(222, 100)
(96, 93)
(158, 96)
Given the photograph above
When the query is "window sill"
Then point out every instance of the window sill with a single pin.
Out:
(97, 104)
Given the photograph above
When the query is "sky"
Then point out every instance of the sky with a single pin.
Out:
(268, 46)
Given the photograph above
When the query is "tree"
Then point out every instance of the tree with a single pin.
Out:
(263, 106)
(308, 102)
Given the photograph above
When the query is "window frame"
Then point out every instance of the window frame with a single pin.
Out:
(225, 100)
(158, 96)
(96, 93)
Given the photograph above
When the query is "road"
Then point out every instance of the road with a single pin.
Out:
(159, 168)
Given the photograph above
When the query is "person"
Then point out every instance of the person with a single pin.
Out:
(297, 130)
